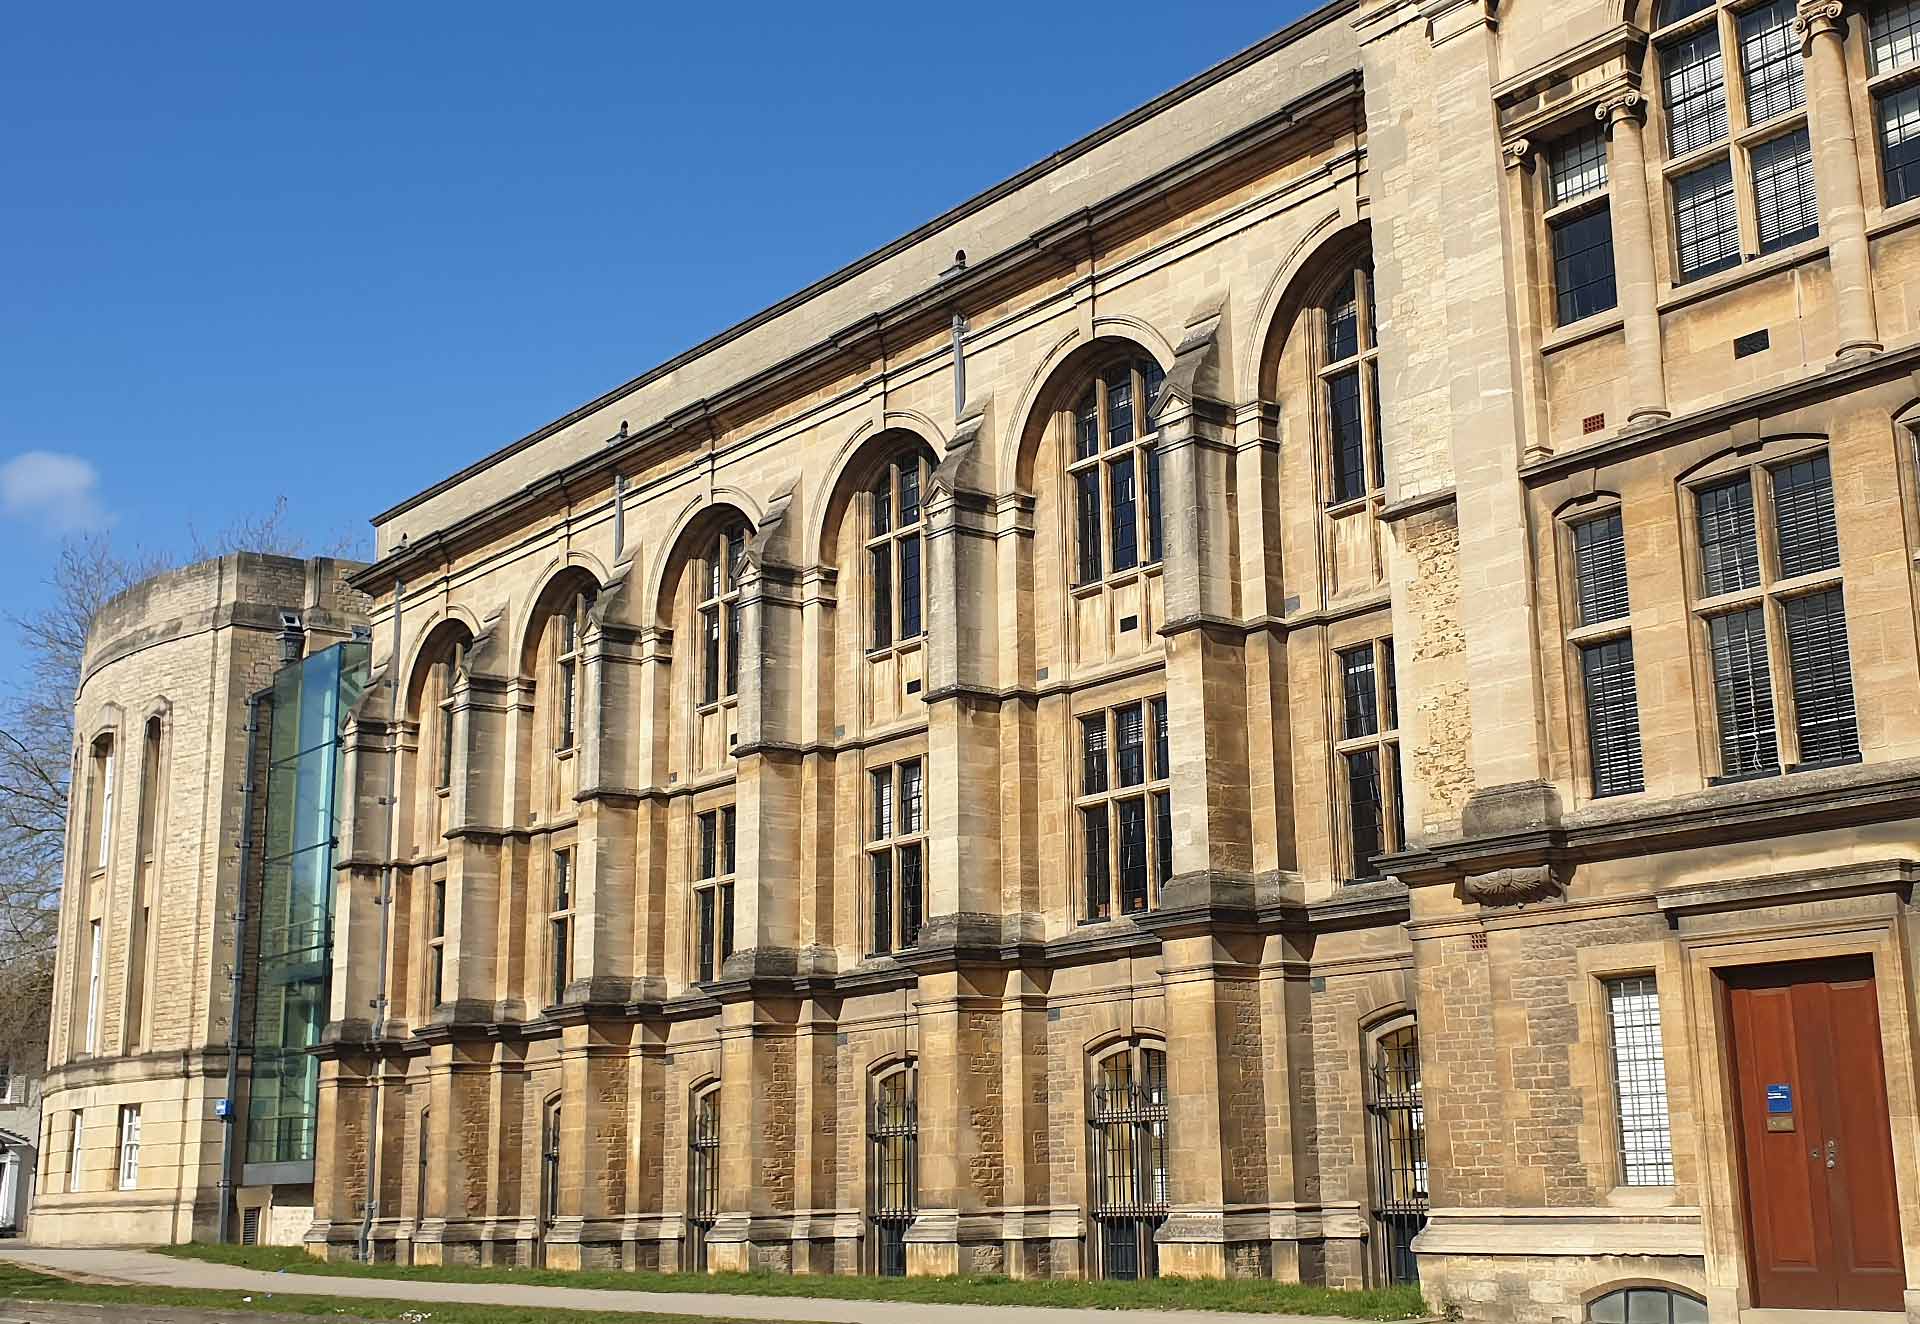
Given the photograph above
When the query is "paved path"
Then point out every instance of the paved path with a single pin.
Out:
(138, 1266)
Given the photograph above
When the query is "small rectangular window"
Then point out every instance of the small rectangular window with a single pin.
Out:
(882, 804)
(1349, 442)
(1119, 407)
(1086, 426)
(1783, 191)
(1130, 747)
(1894, 34)
(913, 800)
(1729, 550)
(1804, 524)
(1578, 166)
(1770, 63)
(709, 845)
(1133, 854)
(1743, 694)
(563, 880)
(1695, 90)
(1365, 805)
(1600, 568)
(1343, 323)
(1087, 505)
(910, 586)
(912, 897)
(880, 565)
(1583, 280)
(1099, 881)
(1163, 834)
(710, 655)
(1639, 1081)
(1093, 754)
(1156, 535)
(705, 923)
(75, 1137)
(1360, 692)
(882, 902)
(1125, 513)
(1816, 627)
(1161, 767)
(1613, 717)
(1706, 220)
(1900, 144)
(129, 1146)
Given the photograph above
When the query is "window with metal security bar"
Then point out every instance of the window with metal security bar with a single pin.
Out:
(713, 892)
(703, 1175)
(1771, 590)
(1125, 808)
(893, 1160)
(896, 857)
(1714, 141)
(1603, 646)
(1350, 390)
(1397, 1121)
(1639, 1081)
(250, 1225)
(1367, 754)
(1783, 191)
(1128, 1119)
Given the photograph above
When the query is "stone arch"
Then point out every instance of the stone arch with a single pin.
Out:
(698, 517)
(1302, 281)
(1050, 382)
(1281, 291)
(568, 567)
(445, 623)
(852, 466)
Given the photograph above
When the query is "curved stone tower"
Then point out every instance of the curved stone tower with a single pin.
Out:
(130, 1133)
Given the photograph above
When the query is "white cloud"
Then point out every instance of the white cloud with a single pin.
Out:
(58, 492)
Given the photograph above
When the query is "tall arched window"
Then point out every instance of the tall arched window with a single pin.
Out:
(703, 1174)
(893, 1156)
(1350, 389)
(571, 622)
(1398, 1131)
(1128, 1115)
(894, 549)
(100, 798)
(1115, 471)
(145, 857)
(445, 670)
(719, 614)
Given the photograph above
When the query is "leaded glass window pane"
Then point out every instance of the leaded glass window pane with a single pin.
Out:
(1900, 144)
(1579, 166)
(1743, 693)
(1894, 34)
(1093, 752)
(1729, 551)
(1343, 324)
(1583, 277)
(1364, 804)
(1130, 749)
(1600, 568)
(1347, 435)
(1823, 712)
(1613, 717)
(1770, 61)
(1361, 714)
(1805, 530)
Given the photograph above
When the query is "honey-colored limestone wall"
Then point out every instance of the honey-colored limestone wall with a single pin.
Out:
(176, 656)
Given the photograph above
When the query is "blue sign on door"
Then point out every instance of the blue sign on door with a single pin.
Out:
(1779, 1098)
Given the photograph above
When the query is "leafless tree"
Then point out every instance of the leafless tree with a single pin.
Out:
(36, 753)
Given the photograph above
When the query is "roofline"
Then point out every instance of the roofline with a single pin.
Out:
(1309, 22)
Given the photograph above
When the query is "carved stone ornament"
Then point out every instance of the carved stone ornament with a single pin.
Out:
(1518, 154)
(1817, 17)
(1512, 887)
(1619, 106)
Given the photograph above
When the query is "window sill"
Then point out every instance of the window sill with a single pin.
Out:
(1817, 764)
(1890, 220)
(1748, 270)
(564, 754)
(1353, 505)
(911, 644)
(1118, 579)
(1735, 778)
(1580, 332)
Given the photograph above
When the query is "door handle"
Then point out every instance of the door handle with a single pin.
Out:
(1833, 1151)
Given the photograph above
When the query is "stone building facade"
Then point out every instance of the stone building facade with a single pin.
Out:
(1323, 685)
(129, 1131)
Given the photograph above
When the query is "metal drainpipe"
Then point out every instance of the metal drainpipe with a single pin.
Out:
(238, 976)
(384, 900)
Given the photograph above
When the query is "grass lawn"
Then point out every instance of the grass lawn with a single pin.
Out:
(1253, 1296)
(19, 1283)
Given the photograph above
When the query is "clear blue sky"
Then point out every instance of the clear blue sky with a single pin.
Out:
(336, 252)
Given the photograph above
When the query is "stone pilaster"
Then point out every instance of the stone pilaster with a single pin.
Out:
(608, 830)
(595, 1060)
(459, 1146)
(759, 1058)
(1624, 116)
(962, 1131)
(1836, 169)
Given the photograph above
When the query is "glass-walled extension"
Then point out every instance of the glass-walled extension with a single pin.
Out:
(310, 702)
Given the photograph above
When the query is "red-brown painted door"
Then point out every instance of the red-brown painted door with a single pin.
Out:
(1810, 1098)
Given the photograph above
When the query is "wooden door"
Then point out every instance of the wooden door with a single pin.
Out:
(1810, 1099)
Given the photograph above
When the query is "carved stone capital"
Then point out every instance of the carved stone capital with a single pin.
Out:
(1620, 107)
(1512, 887)
(1816, 17)
(1519, 155)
